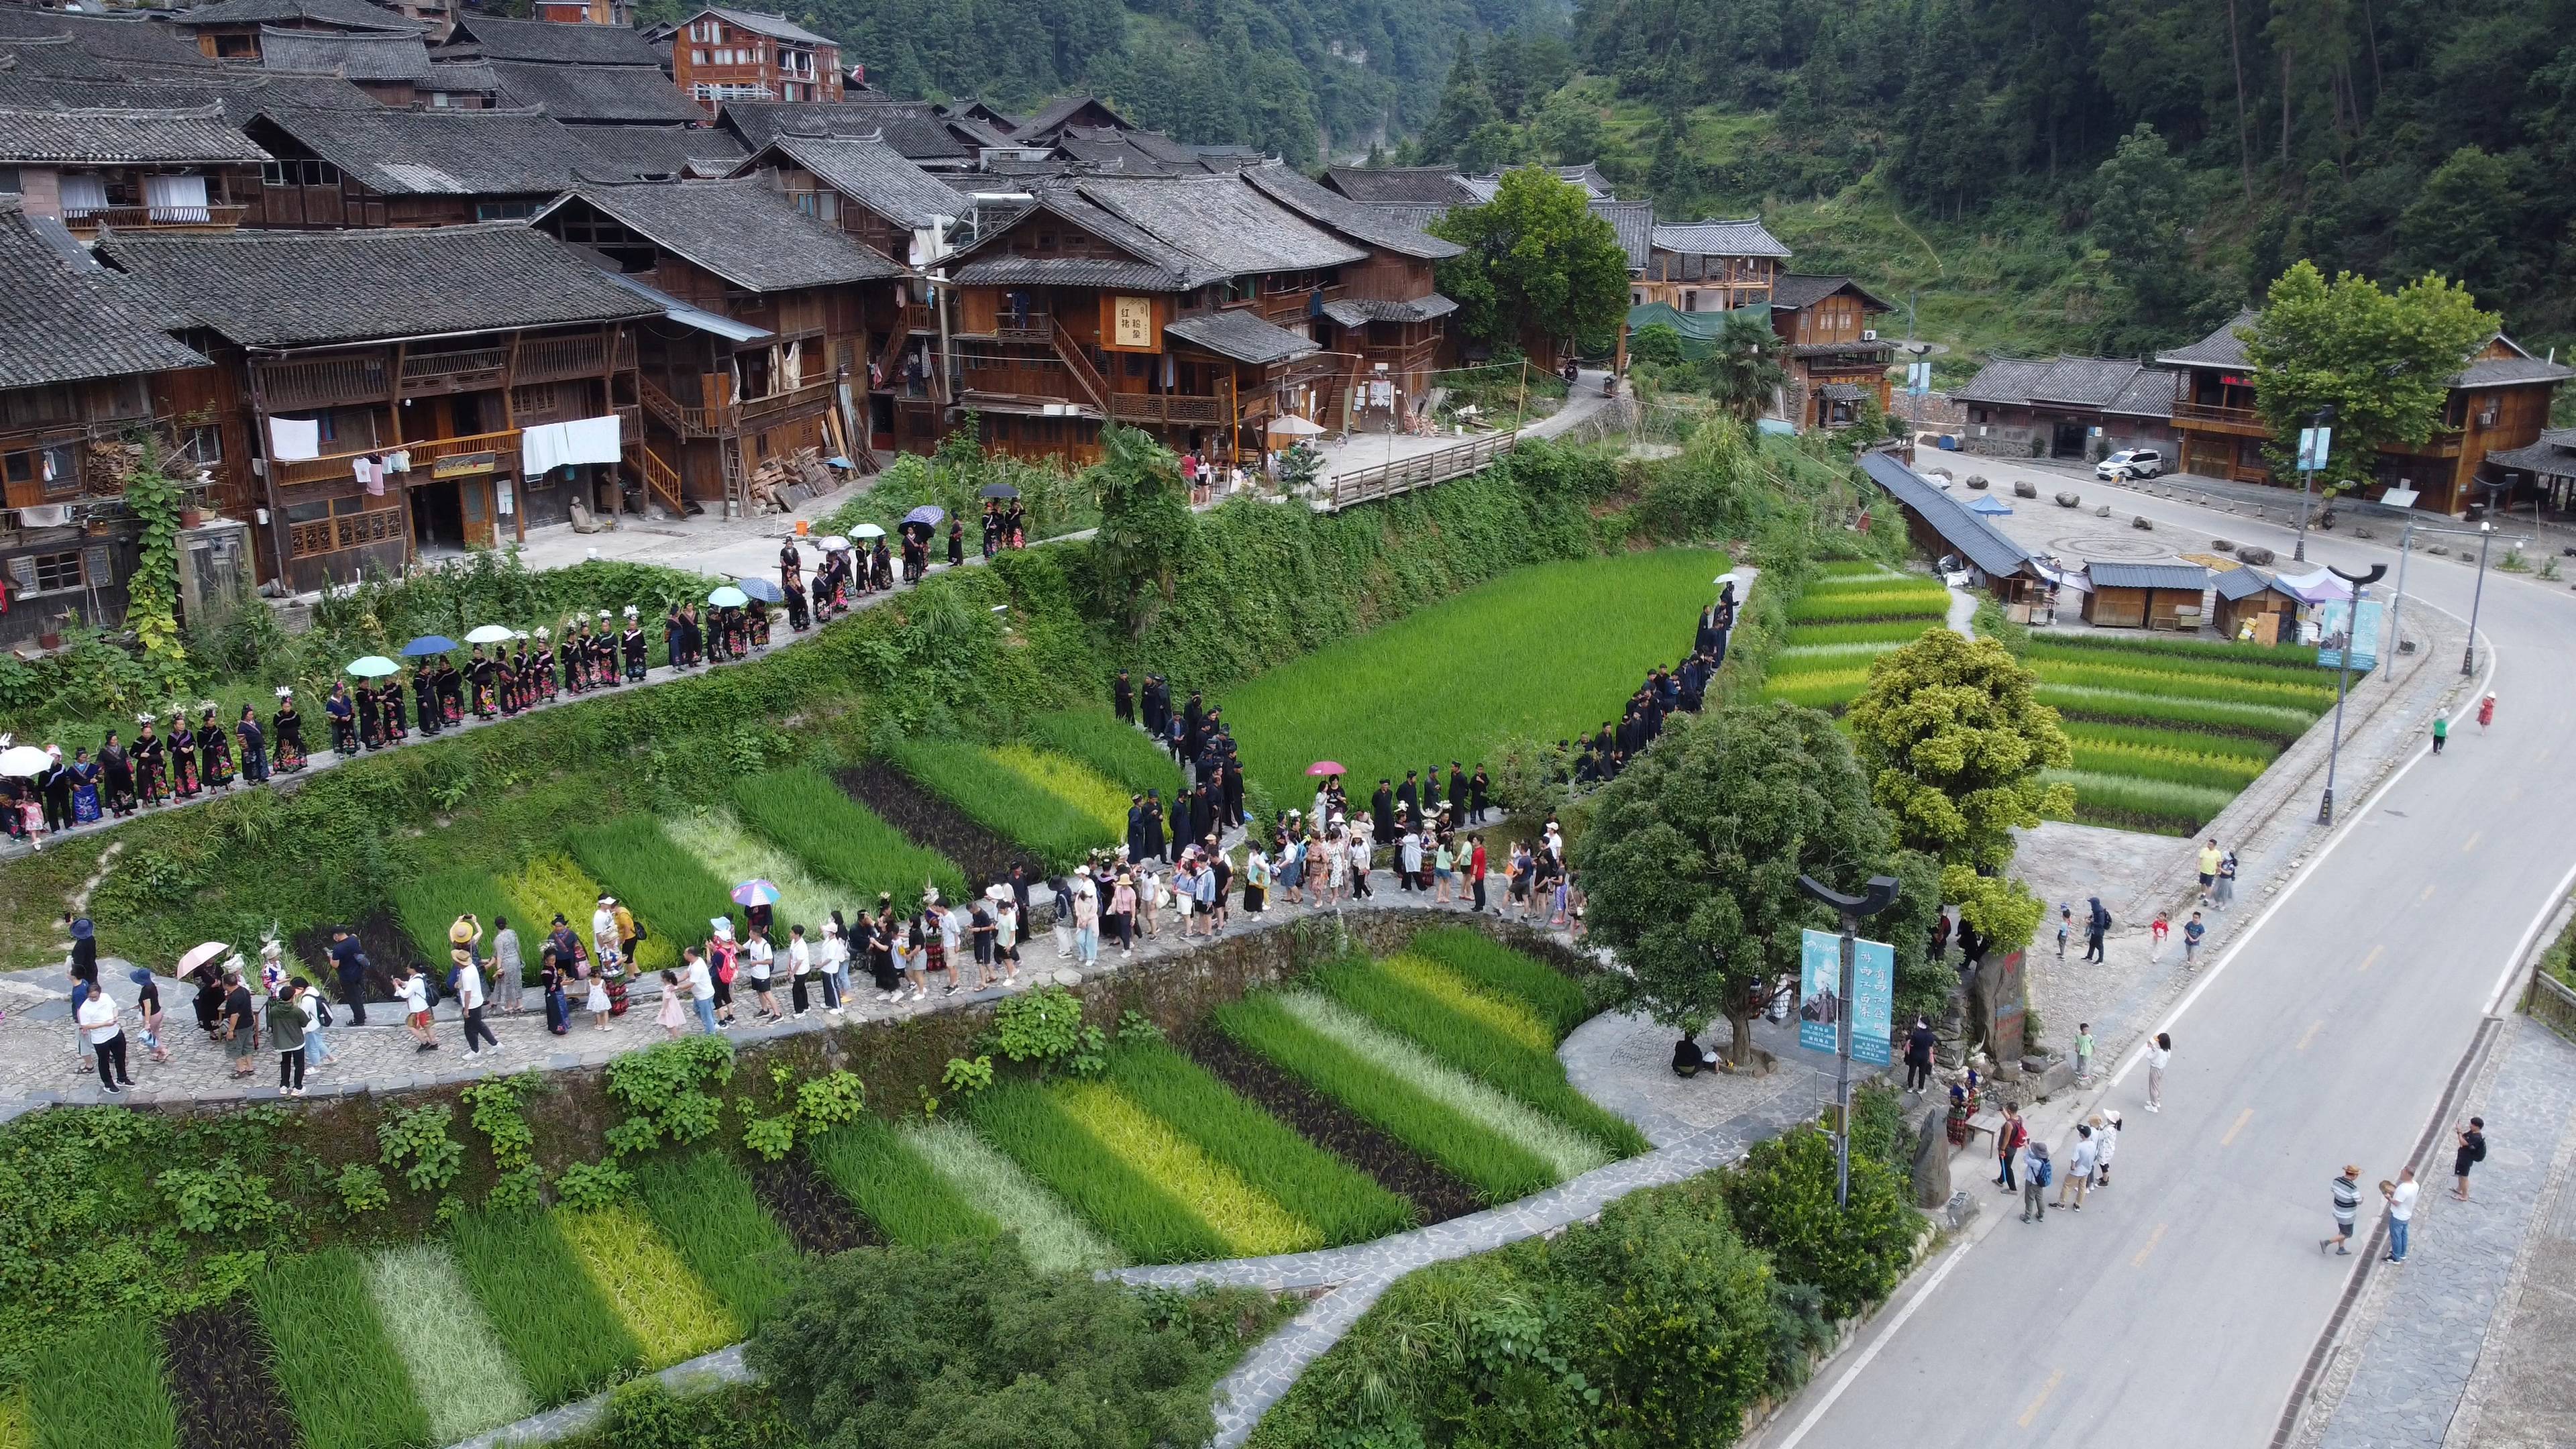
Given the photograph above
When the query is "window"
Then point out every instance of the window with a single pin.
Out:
(201, 446)
(706, 30)
(504, 210)
(298, 173)
(8, 180)
(54, 470)
(56, 572)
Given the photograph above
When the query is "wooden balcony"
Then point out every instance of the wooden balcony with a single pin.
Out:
(321, 382)
(87, 224)
(919, 317)
(2211, 418)
(812, 397)
(691, 421)
(473, 369)
(1168, 409)
(557, 359)
(336, 467)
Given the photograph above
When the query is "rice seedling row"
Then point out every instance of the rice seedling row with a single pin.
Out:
(2218, 772)
(662, 884)
(2308, 696)
(1100, 799)
(1498, 1166)
(709, 1212)
(338, 1367)
(1555, 996)
(1435, 1193)
(881, 1174)
(2122, 706)
(217, 1361)
(2153, 805)
(1838, 583)
(1421, 1008)
(1898, 632)
(1118, 1198)
(427, 905)
(1343, 1204)
(1858, 605)
(102, 1387)
(2074, 651)
(1847, 568)
(459, 1371)
(2292, 657)
(1051, 1234)
(561, 1330)
(840, 840)
(819, 1220)
(1818, 691)
(1456, 679)
(733, 855)
(972, 779)
(2147, 737)
(922, 815)
(550, 885)
(663, 1305)
(1120, 752)
(1831, 655)
(1249, 1221)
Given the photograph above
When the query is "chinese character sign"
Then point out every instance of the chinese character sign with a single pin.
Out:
(1132, 322)
(1820, 1002)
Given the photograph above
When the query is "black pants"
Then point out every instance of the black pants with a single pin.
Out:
(1480, 893)
(796, 998)
(111, 1057)
(353, 995)
(2437, 744)
(1917, 1075)
(290, 1069)
(475, 1026)
(2093, 946)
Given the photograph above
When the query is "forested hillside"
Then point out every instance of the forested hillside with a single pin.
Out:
(1279, 74)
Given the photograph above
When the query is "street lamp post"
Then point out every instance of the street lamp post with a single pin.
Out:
(2309, 462)
(2469, 655)
(1878, 896)
(2343, 677)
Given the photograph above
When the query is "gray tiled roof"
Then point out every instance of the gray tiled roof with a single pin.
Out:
(346, 14)
(1797, 291)
(1221, 221)
(1635, 223)
(494, 38)
(1713, 238)
(242, 93)
(307, 288)
(743, 230)
(2006, 380)
(63, 320)
(1001, 269)
(55, 57)
(761, 21)
(1398, 185)
(462, 76)
(198, 134)
(2222, 348)
(2554, 454)
(2508, 371)
(1240, 334)
(874, 175)
(655, 151)
(976, 131)
(2150, 394)
(359, 55)
(1353, 311)
(1051, 117)
(112, 38)
(909, 127)
(2236, 585)
(2190, 577)
(1370, 225)
(1133, 153)
(628, 94)
(441, 152)
(1595, 185)
(2084, 381)
(1975, 538)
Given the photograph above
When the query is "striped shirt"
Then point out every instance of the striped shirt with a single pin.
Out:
(2347, 1199)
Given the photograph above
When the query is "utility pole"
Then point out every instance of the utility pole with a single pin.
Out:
(2405, 553)
(2343, 677)
(1520, 410)
(1878, 896)
(2314, 441)
(2469, 655)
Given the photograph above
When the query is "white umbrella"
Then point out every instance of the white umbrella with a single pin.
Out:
(867, 530)
(24, 760)
(1295, 427)
(489, 634)
(834, 543)
(199, 955)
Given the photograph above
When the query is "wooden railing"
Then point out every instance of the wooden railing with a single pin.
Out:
(662, 481)
(1421, 471)
(1077, 362)
(701, 422)
(685, 419)
(2212, 412)
(155, 218)
(346, 530)
(1036, 329)
(321, 382)
(918, 317)
(333, 467)
(552, 359)
(469, 370)
(890, 362)
(1167, 408)
(795, 399)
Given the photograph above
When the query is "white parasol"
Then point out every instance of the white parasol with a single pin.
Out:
(25, 760)
(489, 634)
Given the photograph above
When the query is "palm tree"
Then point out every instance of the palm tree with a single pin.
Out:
(1747, 369)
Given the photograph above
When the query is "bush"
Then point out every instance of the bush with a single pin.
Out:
(1783, 1202)
(965, 1345)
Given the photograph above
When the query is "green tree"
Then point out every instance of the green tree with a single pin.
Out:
(1956, 741)
(1693, 857)
(2383, 360)
(1145, 523)
(2467, 222)
(1538, 262)
(2142, 217)
(1749, 366)
(1783, 1202)
(1465, 108)
(152, 596)
(1569, 130)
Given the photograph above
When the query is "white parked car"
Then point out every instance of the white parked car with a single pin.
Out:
(2130, 463)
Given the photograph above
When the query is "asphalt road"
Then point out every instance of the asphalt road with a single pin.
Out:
(2180, 1305)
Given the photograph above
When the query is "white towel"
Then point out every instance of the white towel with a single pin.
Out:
(295, 439)
(556, 445)
(45, 515)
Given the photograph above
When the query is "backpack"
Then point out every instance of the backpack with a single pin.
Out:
(2480, 1154)
(2043, 1171)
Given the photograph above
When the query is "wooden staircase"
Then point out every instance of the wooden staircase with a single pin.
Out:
(1079, 364)
(661, 481)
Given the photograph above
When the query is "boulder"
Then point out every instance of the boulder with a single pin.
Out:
(2023, 488)
(1976, 480)
(1932, 1158)
(1068, 977)
(2070, 500)
(2436, 549)
(2143, 523)
(2256, 554)
(2102, 512)
(1959, 1211)
(2220, 545)
(2359, 532)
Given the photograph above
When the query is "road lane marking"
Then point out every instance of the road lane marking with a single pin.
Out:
(2153, 1238)
(2030, 1415)
(2375, 953)
(2311, 1033)
(2428, 895)
(2522, 949)
(1870, 1353)
(2471, 843)
(2241, 1119)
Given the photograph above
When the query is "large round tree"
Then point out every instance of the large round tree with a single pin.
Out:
(1692, 859)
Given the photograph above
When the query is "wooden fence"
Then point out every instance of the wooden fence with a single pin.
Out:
(1362, 485)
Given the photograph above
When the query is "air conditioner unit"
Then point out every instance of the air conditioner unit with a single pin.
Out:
(1871, 335)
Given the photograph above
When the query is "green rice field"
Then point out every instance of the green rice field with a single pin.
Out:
(1546, 652)
(1845, 617)
(1177, 1150)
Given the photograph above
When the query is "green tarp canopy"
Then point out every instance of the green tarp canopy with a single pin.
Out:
(1699, 330)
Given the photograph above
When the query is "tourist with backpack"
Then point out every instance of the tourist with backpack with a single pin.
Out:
(2097, 924)
(2034, 1184)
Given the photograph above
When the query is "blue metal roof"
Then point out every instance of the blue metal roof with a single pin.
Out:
(1976, 539)
(2147, 576)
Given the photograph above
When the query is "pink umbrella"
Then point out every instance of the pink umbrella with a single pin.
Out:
(755, 893)
(199, 955)
(1325, 767)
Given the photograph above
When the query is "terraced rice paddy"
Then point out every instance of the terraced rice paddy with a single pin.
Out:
(2168, 732)
(1845, 617)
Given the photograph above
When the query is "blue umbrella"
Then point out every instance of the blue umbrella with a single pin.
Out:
(1990, 504)
(428, 644)
(762, 589)
(925, 514)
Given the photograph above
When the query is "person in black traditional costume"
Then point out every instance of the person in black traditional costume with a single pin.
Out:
(116, 776)
(183, 758)
(424, 698)
(214, 753)
(254, 747)
(288, 728)
(631, 644)
(342, 713)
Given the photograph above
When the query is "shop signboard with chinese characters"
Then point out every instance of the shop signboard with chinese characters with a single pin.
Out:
(1820, 1001)
(1130, 324)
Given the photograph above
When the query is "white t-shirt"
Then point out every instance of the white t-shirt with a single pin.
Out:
(311, 1001)
(2086, 1154)
(761, 955)
(97, 1018)
(952, 930)
(469, 988)
(2157, 1057)
(415, 992)
(800, 958)
(702, 983)
(2401, 1203)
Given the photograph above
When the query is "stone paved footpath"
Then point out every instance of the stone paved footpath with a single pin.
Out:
(2425, 1326)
